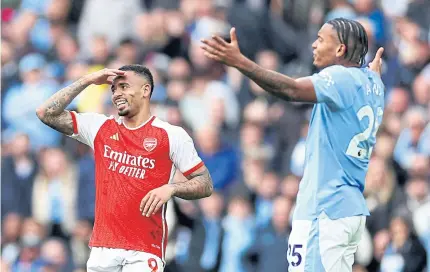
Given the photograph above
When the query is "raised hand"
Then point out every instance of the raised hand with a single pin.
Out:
(218, 49)
(105, 76)
(376, 64)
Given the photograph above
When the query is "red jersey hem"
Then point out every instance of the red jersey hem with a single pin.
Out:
(193, 169)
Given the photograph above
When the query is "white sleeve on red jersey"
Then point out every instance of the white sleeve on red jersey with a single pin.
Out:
(86, 126)
(183, 153)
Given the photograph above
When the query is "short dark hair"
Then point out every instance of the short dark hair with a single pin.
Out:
(353, 35)
(142, 71)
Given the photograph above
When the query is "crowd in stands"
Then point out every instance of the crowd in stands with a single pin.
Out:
(252, 143)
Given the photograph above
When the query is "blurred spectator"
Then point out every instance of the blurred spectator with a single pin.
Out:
(287, 133)
(406, 148)
(36, 89)
(253, 145)
(10, 246)
(79, 243)
(290, 187)
(9, 66)
(218, 156)
(299, 152)
(54, 252)
(252, 142)
(29, 259)
(197, 103)
(264, 200)
(268, 250)
(54, 193)
(421, 90)
(398, 100)
(369, 9)
(340, 8)
(19, 169)
(239, 228)
(405, 252)
(127, 52)
(111, 19)
(86, 187)
(205, 246)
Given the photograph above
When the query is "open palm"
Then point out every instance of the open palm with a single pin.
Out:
(218, 49)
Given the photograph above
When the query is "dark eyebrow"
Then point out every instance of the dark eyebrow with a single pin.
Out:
(119, 84)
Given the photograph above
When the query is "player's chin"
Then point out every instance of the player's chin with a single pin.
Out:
(123, 112)
(319, 64)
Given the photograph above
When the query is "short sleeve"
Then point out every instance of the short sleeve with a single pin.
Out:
(183, 152)
(86, 126)
(334, 86)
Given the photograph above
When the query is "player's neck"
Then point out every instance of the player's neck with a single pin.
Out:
(138, 119)
(348, 64)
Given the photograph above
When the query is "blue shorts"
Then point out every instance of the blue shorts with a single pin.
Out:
(323, 244)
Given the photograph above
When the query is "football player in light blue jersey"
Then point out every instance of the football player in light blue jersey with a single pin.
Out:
(331, 211)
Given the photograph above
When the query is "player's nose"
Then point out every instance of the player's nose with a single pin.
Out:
(115, 95)
(314, 45)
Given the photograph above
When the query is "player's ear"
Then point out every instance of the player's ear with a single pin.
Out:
(341, 50)
(146, 90)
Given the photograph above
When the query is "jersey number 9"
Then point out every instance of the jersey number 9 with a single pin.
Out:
(153, 265)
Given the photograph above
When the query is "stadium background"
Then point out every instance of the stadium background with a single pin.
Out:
(252, 143)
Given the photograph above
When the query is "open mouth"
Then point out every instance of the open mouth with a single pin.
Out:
(121, 104)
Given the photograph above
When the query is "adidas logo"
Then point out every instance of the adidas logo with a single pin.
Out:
(114, 137)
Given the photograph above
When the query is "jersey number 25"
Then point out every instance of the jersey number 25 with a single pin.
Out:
(353, 148)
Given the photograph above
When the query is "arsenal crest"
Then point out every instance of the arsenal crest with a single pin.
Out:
(149, 144)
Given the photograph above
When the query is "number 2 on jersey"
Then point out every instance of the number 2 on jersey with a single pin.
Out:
(353, 149)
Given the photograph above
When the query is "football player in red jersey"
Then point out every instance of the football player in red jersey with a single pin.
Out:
(136, 157)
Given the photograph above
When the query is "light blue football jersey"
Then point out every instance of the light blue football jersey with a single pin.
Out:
(342, 133)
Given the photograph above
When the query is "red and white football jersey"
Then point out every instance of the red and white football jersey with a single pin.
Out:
(129, 163)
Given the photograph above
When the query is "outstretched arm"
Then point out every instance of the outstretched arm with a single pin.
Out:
(198, 185)
(273, 82)
(53, 113)
(282, 86)
(285, 87)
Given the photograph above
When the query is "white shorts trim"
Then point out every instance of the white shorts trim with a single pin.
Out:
(324, 244)
(115, 260)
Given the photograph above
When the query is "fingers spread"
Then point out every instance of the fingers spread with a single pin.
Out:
(209, 49)
(212, 56)
(213, 44)
(220, 41)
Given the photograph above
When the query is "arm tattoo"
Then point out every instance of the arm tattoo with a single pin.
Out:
(273, 82)
(198, 185)
(52, 112)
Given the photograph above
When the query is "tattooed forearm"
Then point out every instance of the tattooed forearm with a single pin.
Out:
(53, 113)
(271, 81)
(198, 185)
